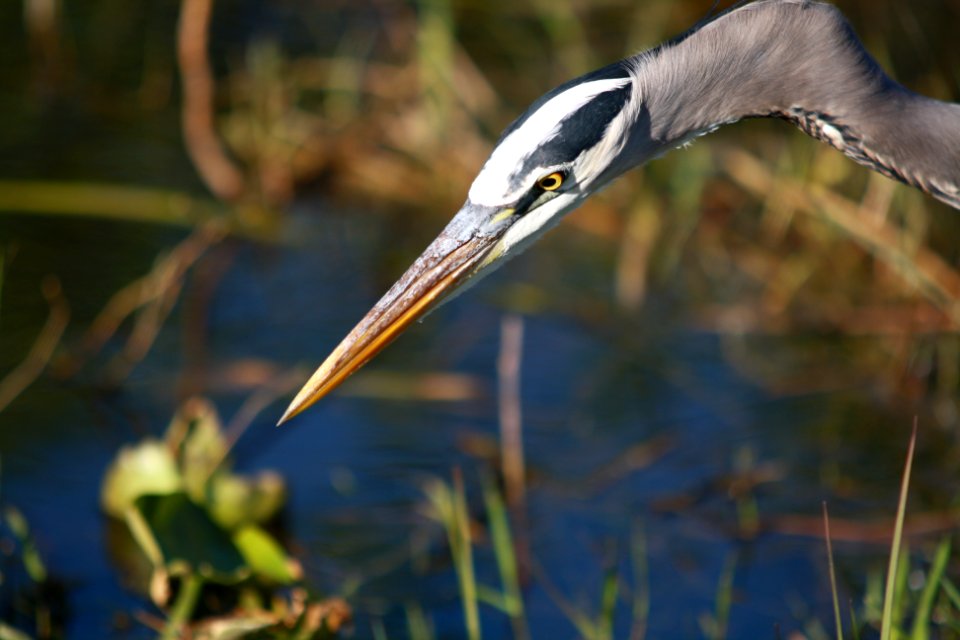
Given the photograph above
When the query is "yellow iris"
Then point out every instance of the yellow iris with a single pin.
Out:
(551, 182)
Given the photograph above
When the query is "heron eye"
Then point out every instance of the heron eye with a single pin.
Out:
(551, 182)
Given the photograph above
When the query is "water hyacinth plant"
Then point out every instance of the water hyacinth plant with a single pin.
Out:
(213, 566)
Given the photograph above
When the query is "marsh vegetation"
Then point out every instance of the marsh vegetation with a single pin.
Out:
(197, 200)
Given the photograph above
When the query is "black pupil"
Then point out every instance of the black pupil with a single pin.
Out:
(550, 182)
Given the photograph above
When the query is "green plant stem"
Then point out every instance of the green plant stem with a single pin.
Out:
(29, 554)
(105, 201)
(129, 204)
(184, 606)
(3, 258)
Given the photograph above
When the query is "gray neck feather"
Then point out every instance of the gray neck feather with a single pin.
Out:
(800, 61)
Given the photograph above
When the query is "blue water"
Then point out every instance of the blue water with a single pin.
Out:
(355, 465)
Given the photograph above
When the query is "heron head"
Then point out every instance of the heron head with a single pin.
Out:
(562, 149)
(567, 145)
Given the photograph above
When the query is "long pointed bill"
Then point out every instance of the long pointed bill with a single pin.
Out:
(445, 265)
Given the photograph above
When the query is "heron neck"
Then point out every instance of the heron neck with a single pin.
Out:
(799, 61)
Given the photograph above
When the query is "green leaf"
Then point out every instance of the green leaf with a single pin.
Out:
(234, 627)
(29, 553)
(10, 633)
(236, 500)
(189, 541)
(265, 555)
(197, 437)
(145, 469)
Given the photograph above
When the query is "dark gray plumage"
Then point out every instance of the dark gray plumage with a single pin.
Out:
(802, 62)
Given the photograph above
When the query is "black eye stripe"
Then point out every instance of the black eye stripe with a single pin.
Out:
(535, 193)
(524, 204)
(579, 131)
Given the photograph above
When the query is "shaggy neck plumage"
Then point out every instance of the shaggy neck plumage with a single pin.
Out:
(799, 61)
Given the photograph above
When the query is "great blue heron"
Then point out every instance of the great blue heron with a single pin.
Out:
(796, 60)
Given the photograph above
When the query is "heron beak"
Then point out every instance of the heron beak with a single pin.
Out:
(443, 267)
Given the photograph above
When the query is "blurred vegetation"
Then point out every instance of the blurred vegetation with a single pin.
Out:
(31, 599)
(213, 120)
(194, 537)
(759, 230)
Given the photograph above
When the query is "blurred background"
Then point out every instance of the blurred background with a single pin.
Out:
(199, 200)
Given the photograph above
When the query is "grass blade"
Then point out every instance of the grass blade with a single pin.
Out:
(921, 620)
(886, 624)
(725, 596)
(714, 626)
(378, 631)
(833, 575)
(418, 626)
(854, 625)
(953, 594)
(503, 550)
(581, 621)
(449, 508)
(608, 605)
(641, 580)
(464, 558)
